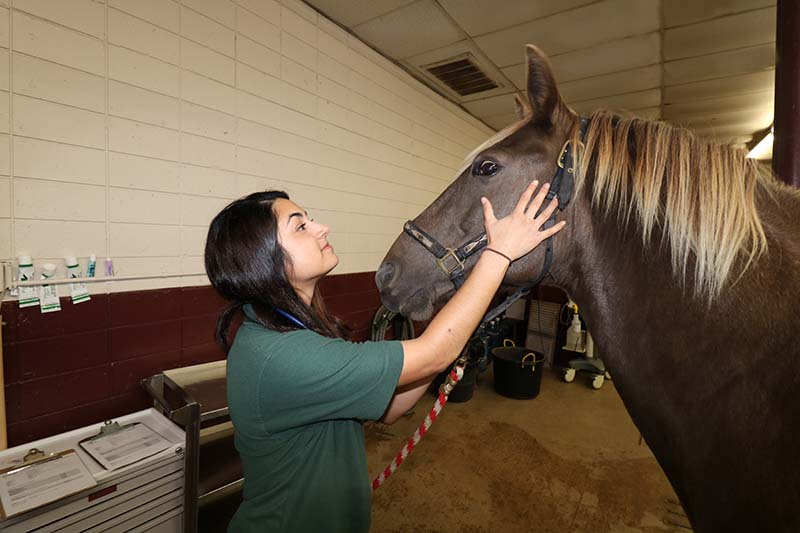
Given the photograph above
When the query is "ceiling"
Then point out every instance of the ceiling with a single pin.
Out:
(707, 64)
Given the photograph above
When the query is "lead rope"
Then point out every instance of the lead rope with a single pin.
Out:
(455, 375)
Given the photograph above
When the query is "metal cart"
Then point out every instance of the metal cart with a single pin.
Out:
(194, 397)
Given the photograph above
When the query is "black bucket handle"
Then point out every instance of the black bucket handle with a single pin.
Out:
(508, 343)
(533, 366)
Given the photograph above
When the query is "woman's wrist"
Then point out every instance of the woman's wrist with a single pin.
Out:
(498, 252)
(494, 257)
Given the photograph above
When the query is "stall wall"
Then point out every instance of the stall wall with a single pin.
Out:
(126, 125)
(129, 124)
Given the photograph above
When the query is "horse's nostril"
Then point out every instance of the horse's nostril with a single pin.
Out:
(385, 275)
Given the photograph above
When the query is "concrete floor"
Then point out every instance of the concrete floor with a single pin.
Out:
(569, 460)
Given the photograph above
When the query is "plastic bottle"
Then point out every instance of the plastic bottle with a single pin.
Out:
(77, 290)
(28, 296)
(48, 294)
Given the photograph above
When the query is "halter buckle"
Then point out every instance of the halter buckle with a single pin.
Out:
(469, 247)
(449, 269)
(563, 154)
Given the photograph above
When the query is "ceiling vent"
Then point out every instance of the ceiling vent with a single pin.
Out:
(461, 75)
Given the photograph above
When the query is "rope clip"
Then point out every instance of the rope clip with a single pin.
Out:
(450, 382)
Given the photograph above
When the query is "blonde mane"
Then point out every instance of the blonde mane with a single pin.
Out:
(699, 194)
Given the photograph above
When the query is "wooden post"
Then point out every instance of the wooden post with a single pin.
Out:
(786, 146)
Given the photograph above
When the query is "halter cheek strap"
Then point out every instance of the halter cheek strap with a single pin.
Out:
(561, 187)
(451, 261)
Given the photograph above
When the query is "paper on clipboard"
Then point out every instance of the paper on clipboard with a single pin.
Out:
(26, 487)
(124, 446)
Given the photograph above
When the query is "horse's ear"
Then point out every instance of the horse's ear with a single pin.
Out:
(520, 107)
(542, 92)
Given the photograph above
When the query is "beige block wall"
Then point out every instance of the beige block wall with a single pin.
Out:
(126, 125)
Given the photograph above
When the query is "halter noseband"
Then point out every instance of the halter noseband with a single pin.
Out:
(451, 260)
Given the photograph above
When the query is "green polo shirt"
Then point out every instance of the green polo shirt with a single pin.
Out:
(296, 400)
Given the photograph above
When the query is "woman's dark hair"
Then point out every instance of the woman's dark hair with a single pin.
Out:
(247, 265)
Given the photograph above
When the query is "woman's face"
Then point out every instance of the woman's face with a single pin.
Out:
(306, 243)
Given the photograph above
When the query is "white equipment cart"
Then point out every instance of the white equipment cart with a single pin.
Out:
(121, 475)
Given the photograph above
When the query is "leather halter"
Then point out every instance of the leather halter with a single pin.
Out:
(451, 260)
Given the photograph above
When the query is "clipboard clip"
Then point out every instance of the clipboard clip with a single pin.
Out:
(33, 455)
(108, 428)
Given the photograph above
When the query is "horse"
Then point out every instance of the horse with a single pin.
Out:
(684, 257)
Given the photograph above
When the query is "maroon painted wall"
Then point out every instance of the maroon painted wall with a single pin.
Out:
(83, 364)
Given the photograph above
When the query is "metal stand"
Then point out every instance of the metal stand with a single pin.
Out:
(195, 398)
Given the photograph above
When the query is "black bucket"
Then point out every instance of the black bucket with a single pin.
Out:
(517, 371)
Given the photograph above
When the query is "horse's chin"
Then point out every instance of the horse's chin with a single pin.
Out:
(418, 307)
(420, 314)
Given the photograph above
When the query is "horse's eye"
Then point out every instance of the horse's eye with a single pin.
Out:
(487, 167)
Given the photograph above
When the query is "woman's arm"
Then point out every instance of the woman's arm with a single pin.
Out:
(404, 399)
(514, 235)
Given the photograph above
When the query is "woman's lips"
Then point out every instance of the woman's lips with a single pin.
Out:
(327, 247)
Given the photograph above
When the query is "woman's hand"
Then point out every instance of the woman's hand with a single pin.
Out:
(518, 233)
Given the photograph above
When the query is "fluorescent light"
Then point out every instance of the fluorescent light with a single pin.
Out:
(763, 150)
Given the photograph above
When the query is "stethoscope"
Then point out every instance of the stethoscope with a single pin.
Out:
(290, 317)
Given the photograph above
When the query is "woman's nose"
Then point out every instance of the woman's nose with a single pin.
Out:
(322, 229)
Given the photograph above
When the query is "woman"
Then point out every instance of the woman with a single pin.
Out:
(297, 391)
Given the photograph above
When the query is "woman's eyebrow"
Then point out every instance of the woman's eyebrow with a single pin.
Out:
(295, 214)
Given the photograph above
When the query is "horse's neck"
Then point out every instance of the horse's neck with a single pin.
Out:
(625, 293)
(634, 305)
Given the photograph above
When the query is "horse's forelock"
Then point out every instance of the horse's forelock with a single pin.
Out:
(494, 139)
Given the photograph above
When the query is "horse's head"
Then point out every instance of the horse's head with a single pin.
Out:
(409, 278)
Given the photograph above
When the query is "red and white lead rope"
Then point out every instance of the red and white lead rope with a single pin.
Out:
(445, 389)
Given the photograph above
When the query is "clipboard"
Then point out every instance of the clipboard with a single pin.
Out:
(116, 446)
(42, 479)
